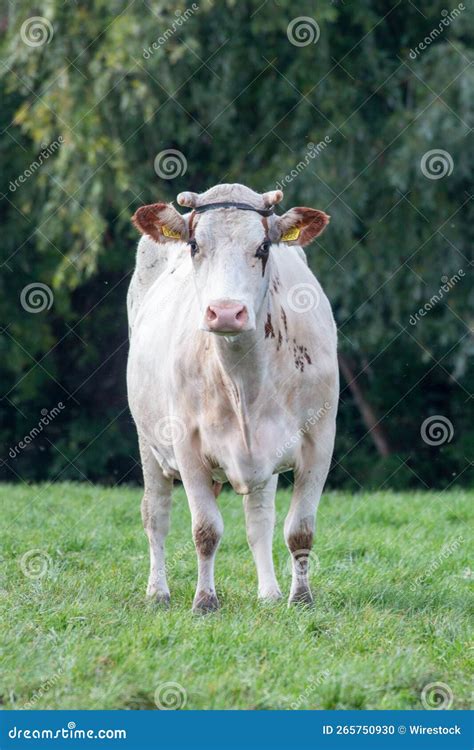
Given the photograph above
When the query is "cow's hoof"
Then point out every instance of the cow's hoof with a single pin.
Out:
(159, 599)
(162, 600)
(205, 602)
(302, 597)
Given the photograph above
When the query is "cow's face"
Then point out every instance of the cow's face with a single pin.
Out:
(231, 255)
(230, 251)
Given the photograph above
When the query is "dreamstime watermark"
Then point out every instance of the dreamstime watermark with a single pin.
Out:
(447, 285)
(179, 555)
(171, 563)
(36, 31)
(44, 688)
(303, 297)
(436, 164)
(445, 553)
(47, 417)
(312, 152)
(447, 18)
(437, 696)
(170, 696)
(180, 19)
(312, 419)
(312, 684)
(64, 733)
(35, 563)
(170, 430)
(36, 297)
(170, 163)
(302, 31)
(44, 154)
(437, 430)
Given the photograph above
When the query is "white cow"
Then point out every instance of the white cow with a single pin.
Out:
(232, 375)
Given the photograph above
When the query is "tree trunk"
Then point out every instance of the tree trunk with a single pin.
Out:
(369, 417)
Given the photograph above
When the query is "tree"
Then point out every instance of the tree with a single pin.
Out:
(240, 94)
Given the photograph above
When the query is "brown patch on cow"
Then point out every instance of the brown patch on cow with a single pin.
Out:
(191, 225)
(276, 283)
(301, 356)
(311, 222)
(280, 340)
(301, 540)
(150, 220)
(206, 539)
(269, 332)
(265, 260)
(217, 489)
(285, 322)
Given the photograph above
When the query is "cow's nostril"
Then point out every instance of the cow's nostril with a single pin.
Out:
(226, 316)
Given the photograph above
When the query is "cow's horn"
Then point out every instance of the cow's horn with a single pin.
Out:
(272, 197)
(187, 199)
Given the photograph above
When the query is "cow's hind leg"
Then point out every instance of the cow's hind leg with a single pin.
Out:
(260, 520)
(300, 521)
(156, 506)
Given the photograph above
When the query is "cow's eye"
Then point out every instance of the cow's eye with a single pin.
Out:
(263, 250)
(194, 247)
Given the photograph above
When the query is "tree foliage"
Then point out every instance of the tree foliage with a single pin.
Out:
(230, 91)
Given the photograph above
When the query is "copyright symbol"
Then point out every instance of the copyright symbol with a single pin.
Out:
(402, 729)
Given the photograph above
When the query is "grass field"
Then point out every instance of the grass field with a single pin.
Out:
(391, 583)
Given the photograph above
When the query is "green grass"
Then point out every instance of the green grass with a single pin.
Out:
(82, 636)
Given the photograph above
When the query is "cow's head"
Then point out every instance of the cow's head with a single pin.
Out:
(230, 247)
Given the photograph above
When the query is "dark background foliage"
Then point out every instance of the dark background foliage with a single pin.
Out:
(231, 92)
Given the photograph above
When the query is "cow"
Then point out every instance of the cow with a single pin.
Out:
(232, 376)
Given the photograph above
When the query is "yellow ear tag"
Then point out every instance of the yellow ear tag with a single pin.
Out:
(291, 234)
(170, 233)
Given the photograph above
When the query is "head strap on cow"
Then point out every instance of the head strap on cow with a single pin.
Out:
(231, 204)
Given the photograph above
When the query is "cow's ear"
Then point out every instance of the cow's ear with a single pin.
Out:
(300, 226)
(161, 222)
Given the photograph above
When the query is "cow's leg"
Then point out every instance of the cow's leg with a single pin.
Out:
(260, 520)
(208, 527)
(300, 521)
(156, 506)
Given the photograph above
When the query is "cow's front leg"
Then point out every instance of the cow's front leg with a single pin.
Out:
(155, 508)
(299, 533)
(300, 521)
(260, 520)
(208, 527)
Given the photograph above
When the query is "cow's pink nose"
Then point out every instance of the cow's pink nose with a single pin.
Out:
(226, 317)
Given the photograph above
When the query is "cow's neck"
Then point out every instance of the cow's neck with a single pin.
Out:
(244, 365)
(244, 358)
